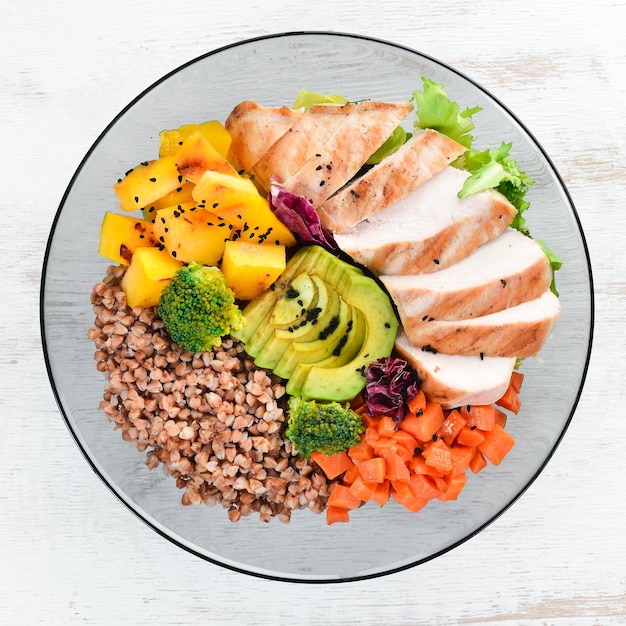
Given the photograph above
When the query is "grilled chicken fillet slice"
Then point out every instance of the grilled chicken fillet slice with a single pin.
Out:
(347, 149)
(518, 331)
(254, 129)
(427, 152)
(429, 229)
(503, 272)
(454, 380)
(301, 142)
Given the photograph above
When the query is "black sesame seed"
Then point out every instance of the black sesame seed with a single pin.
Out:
(322, 183)
(174, 253)
(387, 325)
(319, 167)
(436, 261)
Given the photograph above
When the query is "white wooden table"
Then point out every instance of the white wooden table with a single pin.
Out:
(70, 553)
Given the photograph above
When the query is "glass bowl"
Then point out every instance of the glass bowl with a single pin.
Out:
(377, 541)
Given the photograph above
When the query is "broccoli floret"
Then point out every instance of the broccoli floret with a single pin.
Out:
(327, 427)
(198, 308)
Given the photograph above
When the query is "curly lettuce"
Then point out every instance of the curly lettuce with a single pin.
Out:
(435, 110)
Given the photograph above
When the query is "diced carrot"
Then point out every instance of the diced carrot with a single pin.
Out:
(417, 403)
(510, 400)
(462, 457)
(455, 486)
(403, 494)
(352, 473)
(424, 486)
(332, 465)
(478, 462)
(382, 445)
(470, 437)
(497, 444)
(373, 470)
(426, 425)
(517, 378)
(418, 466)
(439, 456)
(361, 452)
(361, 490)
(451, 427)
(500, 418)
(371, 435)
(482, 416)
(396, 468)
(336, 514)
(386, 426)
(404, 439)
(381, 493)
(340, 496)
(369, 421)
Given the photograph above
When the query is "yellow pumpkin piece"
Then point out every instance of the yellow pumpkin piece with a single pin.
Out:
(213, 131)
(191, 234)
(223, 193)
(249, 269)
(258, 224)
(147, 182)
(197, 155)
(150, 270)
(178, 196)
(121, 235)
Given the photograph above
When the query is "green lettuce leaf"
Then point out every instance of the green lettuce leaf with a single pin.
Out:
(397, 139)
(494, 168)
(306, 99)
(555, 263)
(435, 110)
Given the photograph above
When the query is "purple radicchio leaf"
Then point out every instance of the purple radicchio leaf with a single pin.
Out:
(390, 384)
(299, 216)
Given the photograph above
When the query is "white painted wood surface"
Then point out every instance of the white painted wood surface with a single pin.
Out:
(70, 553)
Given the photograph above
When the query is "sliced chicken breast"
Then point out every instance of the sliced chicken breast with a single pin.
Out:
(427, 152)
(347, 149)
(254, 129)
(518, 331)
(301, 142)
(454, 380)
(502, 273)
(429, 229)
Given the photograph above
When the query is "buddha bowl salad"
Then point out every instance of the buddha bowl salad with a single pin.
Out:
(312, 307)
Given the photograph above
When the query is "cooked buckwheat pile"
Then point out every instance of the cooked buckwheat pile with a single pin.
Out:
(213, 420)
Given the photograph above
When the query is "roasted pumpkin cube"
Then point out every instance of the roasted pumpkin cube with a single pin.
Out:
(121, 235)
(213, 131)
(197, 155)
(180, 195)
(147, 182)
(223, 193)
(258, 224)
(150, 270)
(250, 268)
(191, 234)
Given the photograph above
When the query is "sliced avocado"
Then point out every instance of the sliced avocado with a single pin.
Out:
(301, 294)
(346, 381)
(256, 311)
(326, 305)
(327, 333)
(345, 348)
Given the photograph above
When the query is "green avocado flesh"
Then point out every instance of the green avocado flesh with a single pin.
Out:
(319, 326)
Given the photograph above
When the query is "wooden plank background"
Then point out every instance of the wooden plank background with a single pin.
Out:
(70, 553)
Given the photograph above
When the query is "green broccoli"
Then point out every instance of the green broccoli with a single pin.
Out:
(327, 427)
(198, 308)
